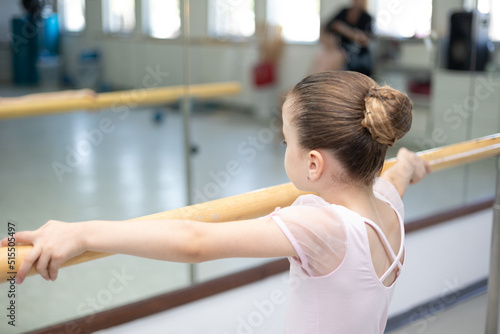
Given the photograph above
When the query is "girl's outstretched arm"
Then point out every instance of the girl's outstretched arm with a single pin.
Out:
(170, 240)
(409, 169)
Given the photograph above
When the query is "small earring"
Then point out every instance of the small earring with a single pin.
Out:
(308, 177)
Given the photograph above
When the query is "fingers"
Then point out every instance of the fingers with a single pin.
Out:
(53, 269)
(46, 263)
(42, 266)
(53, 244)
(427, 167)
(27, 263)
(25, 237)
(45, 255)
(402, 153)
(420, 166)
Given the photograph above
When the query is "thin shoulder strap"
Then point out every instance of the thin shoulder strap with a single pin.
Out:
(396, 258)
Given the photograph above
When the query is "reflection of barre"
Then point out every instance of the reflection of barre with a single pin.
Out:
(131, 98)
(261, 202)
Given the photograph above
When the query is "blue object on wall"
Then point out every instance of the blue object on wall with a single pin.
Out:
(24, 50)
(50, 38)
(31, 37)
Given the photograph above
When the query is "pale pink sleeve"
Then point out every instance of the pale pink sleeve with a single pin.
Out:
(385, 189)
(316, 232)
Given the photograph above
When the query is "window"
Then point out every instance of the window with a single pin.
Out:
(230, 19)
(118, 16)
(162, 18)
(73, 15)
(285, 13)
(495, 21)
(402, 19)
(493, 8)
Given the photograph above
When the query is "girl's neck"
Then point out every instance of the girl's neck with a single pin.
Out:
(356, 198)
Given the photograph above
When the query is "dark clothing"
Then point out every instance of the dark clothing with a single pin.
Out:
(358, 57)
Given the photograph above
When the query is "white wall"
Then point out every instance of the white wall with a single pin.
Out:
(296, 58)
(441, 11)
(443, 259)
(8, 10)
(126, 60)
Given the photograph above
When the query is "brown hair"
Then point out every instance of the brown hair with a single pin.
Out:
(350, 115)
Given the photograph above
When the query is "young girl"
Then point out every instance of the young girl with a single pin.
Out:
(345, 244)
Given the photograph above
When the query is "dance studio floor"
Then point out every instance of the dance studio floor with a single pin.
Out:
(121, 164)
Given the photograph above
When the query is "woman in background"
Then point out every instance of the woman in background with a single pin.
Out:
(354, 27)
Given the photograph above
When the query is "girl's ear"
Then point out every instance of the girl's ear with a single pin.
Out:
(316, 165)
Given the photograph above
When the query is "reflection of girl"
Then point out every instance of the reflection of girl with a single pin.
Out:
(330, 57)
(345, 244)
(354, 26)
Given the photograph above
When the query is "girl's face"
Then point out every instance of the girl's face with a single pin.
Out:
(295, 156)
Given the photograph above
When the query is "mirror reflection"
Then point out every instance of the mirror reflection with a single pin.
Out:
(133, 156)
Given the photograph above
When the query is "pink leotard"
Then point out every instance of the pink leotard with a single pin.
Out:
(333, 285)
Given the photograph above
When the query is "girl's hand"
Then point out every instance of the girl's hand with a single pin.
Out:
(409, 169)
(53, 244)
(417, 167)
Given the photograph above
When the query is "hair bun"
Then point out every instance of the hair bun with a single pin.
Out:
(388, 114)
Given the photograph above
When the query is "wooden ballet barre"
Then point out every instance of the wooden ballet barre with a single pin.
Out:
(458, 154)
(130, 98)
(262, 202)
